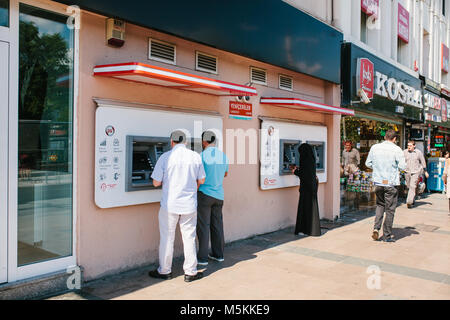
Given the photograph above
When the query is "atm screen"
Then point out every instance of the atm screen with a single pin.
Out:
(319, 153)
(142, 155)
(289, 155)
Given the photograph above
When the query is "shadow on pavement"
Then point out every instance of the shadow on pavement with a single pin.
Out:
(127, 282)
(400, 233)
(236, 252)
(421, 203)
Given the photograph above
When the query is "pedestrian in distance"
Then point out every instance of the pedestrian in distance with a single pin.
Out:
(308, 219)
(415, 167)
(386, 159)
(210, 201)
(445, 177)
(180, 172)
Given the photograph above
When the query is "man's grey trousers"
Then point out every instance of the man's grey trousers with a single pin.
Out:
(386, 203)
(209, 220)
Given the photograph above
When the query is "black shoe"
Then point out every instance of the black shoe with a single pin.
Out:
(202, 263)
(389, 239)
(215, 258)
(188, 278)
(409, 205)
(156, 274)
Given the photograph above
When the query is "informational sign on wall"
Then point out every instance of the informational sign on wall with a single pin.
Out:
(274, 132)
(114, 124)
(403, 23)
(240, 110)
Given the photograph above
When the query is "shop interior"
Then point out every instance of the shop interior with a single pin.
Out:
(357, 191)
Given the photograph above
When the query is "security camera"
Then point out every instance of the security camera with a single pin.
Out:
(364, 98)
(246, 99)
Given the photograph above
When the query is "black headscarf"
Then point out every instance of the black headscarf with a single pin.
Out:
(307, 170)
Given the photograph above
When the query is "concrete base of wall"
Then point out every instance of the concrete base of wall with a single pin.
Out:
(37, 288)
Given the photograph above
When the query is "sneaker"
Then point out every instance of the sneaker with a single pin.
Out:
(202, 263)
(156, 274)
(375, 235)
(188, 278)
(215, 258)
(409, 205)
(389, 239)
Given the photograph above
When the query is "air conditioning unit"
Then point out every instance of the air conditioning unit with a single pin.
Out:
(115, 32)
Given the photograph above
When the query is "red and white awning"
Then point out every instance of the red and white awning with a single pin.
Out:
(136, 71)
(304, 104)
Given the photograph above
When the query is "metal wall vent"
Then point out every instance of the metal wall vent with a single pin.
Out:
(162, 51)
(285, 83)
(206, 62)
(258, 76)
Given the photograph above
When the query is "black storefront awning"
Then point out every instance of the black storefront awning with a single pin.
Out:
(394, 92)
(269, 31)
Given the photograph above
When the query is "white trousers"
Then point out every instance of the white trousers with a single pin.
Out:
(167, 226)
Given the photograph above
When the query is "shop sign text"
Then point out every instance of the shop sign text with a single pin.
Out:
(431, 101)
(397, 90)
(432, 117)
(444, 109)
(240, 110)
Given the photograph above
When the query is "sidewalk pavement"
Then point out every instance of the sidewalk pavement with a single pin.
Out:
(344, 263)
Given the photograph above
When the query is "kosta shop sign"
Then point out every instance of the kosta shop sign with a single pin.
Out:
(397, 91)
(386, 87)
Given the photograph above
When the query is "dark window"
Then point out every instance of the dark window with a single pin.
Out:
(4, 13)
(363, 27)
(443, 7)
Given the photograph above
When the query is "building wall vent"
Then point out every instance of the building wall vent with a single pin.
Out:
(258, 76)
(205, 62)
(285, 83)
(162, 51)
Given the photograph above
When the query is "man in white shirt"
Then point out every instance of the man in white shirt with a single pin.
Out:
(180, 172)
(386, 159)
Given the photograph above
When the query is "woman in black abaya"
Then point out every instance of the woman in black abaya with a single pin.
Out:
(308, 221)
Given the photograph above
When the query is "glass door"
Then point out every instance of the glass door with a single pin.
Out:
(45, 137)
(4, 104)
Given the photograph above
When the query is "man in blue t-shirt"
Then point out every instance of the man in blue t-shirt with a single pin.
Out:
(210, 201)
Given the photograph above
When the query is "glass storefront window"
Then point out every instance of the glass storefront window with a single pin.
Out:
(4, 13)
(45, 136)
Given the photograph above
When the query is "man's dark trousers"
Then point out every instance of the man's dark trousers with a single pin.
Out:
(386, 202)
(209, 219)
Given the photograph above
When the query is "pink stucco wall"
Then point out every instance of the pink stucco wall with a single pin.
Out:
(112, 240)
